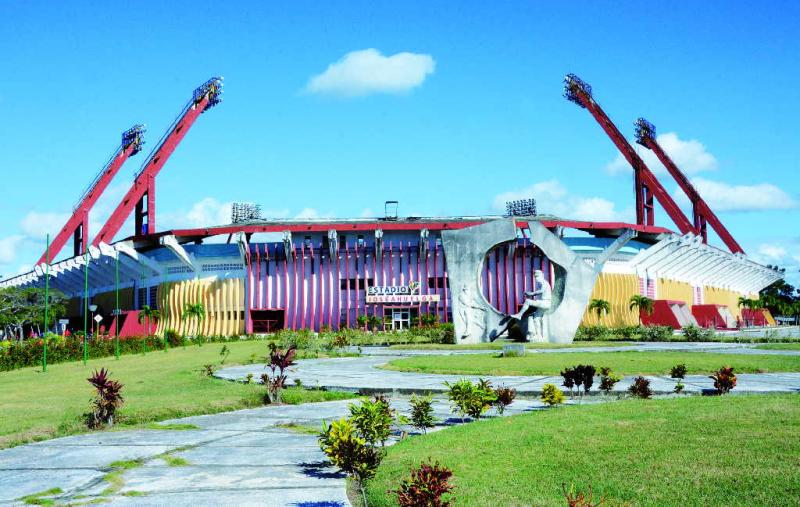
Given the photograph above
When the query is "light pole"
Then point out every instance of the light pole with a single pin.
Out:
(93, 308)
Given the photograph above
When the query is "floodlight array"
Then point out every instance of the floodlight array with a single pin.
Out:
(212, 88)
(521, 208)
(134, 136)
(644, 131)
(244, 212)
(574, 87)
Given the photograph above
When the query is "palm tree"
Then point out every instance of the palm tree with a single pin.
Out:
(148, 315)
(642, 303)
(601, 307)
(196, 311)
(744, 302)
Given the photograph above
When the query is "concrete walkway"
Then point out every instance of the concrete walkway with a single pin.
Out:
(363, 374)
(247, 457)
(727, 348)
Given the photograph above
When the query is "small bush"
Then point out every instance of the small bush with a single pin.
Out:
(428, 319)
(678, 371)
(470, 399)
(373, 419)
(552, 395)
(426, 487)
(724, 379)
(656, 333)
(108, 398)
(593, 333)
(678, 387)
(208, 369)
(579, 376)
(640, 388)
(579, 499)
(349, 452)
(693, 333)
(608, 379)
(248, 379)
(279, 361)
(422, 412)
(504, 397)
(173, 338)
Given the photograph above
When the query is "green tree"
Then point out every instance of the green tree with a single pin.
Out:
(195, 311)
(148, 315)
(641, 304)
(601, 307)
(25, 307)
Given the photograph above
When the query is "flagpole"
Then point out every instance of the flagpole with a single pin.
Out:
(85, 305)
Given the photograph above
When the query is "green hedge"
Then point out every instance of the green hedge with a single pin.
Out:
(62, 349)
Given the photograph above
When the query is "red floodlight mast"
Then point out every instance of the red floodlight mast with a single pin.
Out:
(701, 212)
(78, 224)
(141, 195)
(645, 182)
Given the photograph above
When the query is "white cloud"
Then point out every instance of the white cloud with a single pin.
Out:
(771, 252)
(724, 197)
(36, 225)
(312, 213)
(8, 248)
(553, 199)
(690, 156)
(368, 71)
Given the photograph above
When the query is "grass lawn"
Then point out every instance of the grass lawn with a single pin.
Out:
(626, 363)
(779, 346)
(731, 450)
(158, 386)
(499, 346)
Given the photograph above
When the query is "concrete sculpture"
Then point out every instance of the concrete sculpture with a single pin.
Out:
(551, 315)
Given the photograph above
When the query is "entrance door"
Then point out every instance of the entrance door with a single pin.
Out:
(400, 318)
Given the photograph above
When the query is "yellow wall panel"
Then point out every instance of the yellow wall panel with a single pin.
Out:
(729, 298)
(617, 289)
(675, 291)
(223, 301)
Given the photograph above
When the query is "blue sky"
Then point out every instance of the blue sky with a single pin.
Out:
(458, 107)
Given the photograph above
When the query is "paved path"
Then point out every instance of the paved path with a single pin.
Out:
(234, 458)
(728, 348)
(362, 374)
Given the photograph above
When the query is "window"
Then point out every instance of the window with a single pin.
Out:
(355, 284)
(141, 297)
(225, 266)
(153, 297)
(434, 282)
(361, 240)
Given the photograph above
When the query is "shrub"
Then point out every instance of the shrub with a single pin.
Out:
(678, 371)
(422, 412)
(428, 319)
(174, 338)
(278, 362)
(593, 333)
(208, 369)
(724, 379)
(248, 379)
(608, 379)
(579, 499)
(640, 388)
(678, 387)
(470, 399)
(656, 333)
(426, 487)
(579, 376)
(349, 452)
(108, 399)
(504, 397)
(373, 419)
(362, 320)
(693, 333)
(552, 395)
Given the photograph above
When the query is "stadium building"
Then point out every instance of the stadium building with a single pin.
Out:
(258, 275)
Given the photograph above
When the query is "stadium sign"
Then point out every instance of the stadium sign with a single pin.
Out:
(399, 294)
